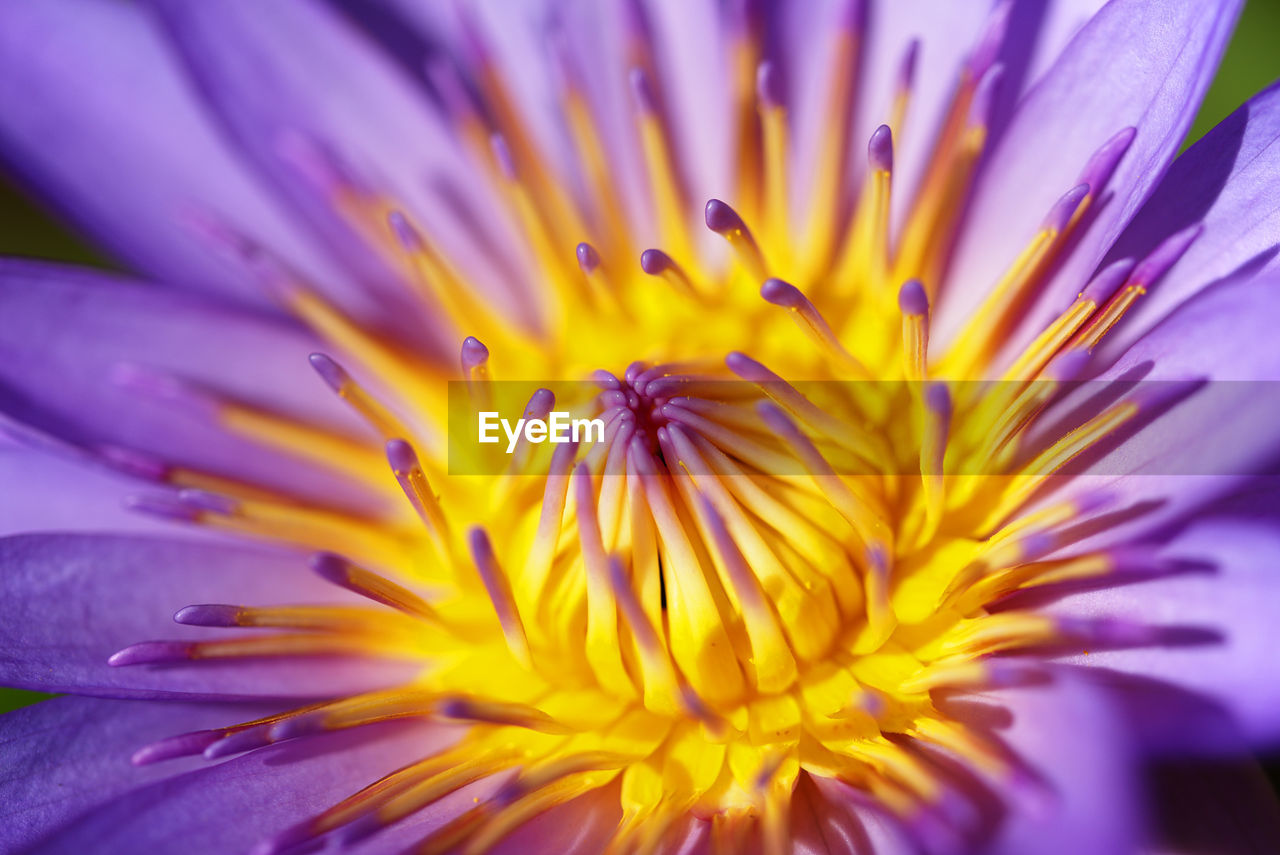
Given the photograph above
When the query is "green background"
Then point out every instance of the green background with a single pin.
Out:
(1252, 61)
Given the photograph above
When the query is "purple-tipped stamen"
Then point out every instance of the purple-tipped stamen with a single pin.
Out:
(173, 747)
(749, 369)
(984, 96)
(880, 149)
(473, 354)
(937, 397)
(913, 300)
(605, 380)
(1104, 161)
(330, 371)
(722, 219)
(642, 91)
(401, 456)
(1064, 209)
(769, 85)
(164, 506)
(134, 463)
(1108, 281)
(907, 67)
(991, 40)
(152, 383)
(540, 404)
(588, 258)
(209, 614)
(408, 236)
(238, 743)
(655, 262)
(207, 502)
(295, 726)
(152, 653)
(784, 294)
(502, 156)
(1164, 256)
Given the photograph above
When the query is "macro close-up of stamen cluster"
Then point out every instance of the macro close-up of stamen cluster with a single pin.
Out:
(639, 426)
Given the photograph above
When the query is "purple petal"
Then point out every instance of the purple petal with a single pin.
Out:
(1227, 181)
(99, 120)
(46, 493)
(1138, 64)
(1225, 601)
(66, 756)
(231, 806)
(71, 601)
(1071, 736)
(325, 113)
(69, 333)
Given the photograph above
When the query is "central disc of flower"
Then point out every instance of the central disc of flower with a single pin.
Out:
(792, 536)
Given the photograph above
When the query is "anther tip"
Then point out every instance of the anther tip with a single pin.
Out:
(781, 293)
(295, 726)
(912, 298)
(206, 501)
(330, 372)
(329, 566)
(540, 402)
(165, 506)
(404, 230)
(880, 149)
(907, 70)
(769, 84)
(237, 743)
(208, 614)
(474, 353)
(721, 218)
(774, 417)
(642, 90)
(150, 652)
(401, 456)
(1065, 208)
(984, 97)
(655, 262)
(1165, 255)
(1102, 286)
(605, 380)
(747, 368)
(502, 156)
(937, 397)
(1037, 544)
(618, 573)
(588, 258)
(478, 541)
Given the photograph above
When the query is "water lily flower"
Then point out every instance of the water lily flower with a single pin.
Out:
(813, 590)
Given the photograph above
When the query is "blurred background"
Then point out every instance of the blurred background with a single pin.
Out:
(1252, 62)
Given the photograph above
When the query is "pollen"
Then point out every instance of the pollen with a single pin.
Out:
(799, 530)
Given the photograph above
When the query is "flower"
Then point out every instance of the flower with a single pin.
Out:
(814, 590)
